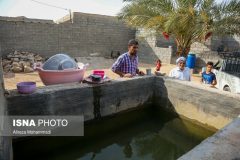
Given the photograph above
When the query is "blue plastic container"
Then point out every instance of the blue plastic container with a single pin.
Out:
(191, 60)
(60, 62)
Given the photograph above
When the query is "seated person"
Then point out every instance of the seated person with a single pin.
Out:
(181, 72)
(208, 77)
(158, 67)
(127, 64)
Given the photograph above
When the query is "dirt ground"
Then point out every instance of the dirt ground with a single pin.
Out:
(10, 80)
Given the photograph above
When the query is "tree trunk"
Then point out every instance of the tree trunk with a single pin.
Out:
(183, 51)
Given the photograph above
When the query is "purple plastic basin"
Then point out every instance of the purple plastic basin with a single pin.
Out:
(26, 87)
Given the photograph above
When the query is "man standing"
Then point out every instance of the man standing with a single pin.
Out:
(127, 64)
(181, 72)
(208, 77)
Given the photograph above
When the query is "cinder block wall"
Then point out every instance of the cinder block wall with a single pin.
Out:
(212, 44)
(87, 34)
(91, 33)
(207, 51)
(153, 48)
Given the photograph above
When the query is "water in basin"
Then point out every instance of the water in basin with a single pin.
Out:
(145, 134)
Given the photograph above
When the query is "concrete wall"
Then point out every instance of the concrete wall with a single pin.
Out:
(209, 45)
(201, 103)
(152, 48)
(83, 99)
(231, 43)
(206, 105)
(87, 34)
(204, 57)
(224, 145)
(82, 34)
(5, 142)
(227, 43)
(207, 51)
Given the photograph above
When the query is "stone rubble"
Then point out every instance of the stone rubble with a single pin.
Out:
(19, 61)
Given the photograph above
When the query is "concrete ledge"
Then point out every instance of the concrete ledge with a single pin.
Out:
(224, 145)
(92, 101)
(206, 105)
(203, 104)
(5, 142)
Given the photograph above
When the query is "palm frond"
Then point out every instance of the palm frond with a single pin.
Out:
(187, 20)
(227, 18)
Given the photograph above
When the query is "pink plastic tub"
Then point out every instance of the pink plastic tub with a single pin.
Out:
(50, 77)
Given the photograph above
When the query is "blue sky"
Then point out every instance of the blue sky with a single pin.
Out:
(28, 8)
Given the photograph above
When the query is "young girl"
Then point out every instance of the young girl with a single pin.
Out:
(158, 65)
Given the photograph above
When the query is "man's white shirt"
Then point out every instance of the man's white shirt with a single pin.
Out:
(177, 73)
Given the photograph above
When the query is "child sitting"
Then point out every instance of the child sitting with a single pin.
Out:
(158, 67)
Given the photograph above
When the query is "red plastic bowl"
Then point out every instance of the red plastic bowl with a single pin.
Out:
(99, 73)
(26, 87)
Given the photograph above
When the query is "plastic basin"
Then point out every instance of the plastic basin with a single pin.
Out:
(26, 87)
(50, 77)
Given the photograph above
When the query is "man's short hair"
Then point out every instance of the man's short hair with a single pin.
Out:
(210, 63)
(132, 42)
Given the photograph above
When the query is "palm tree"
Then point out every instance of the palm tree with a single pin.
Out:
(188, 21)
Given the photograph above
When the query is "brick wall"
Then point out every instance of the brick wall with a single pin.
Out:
(87, 34)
